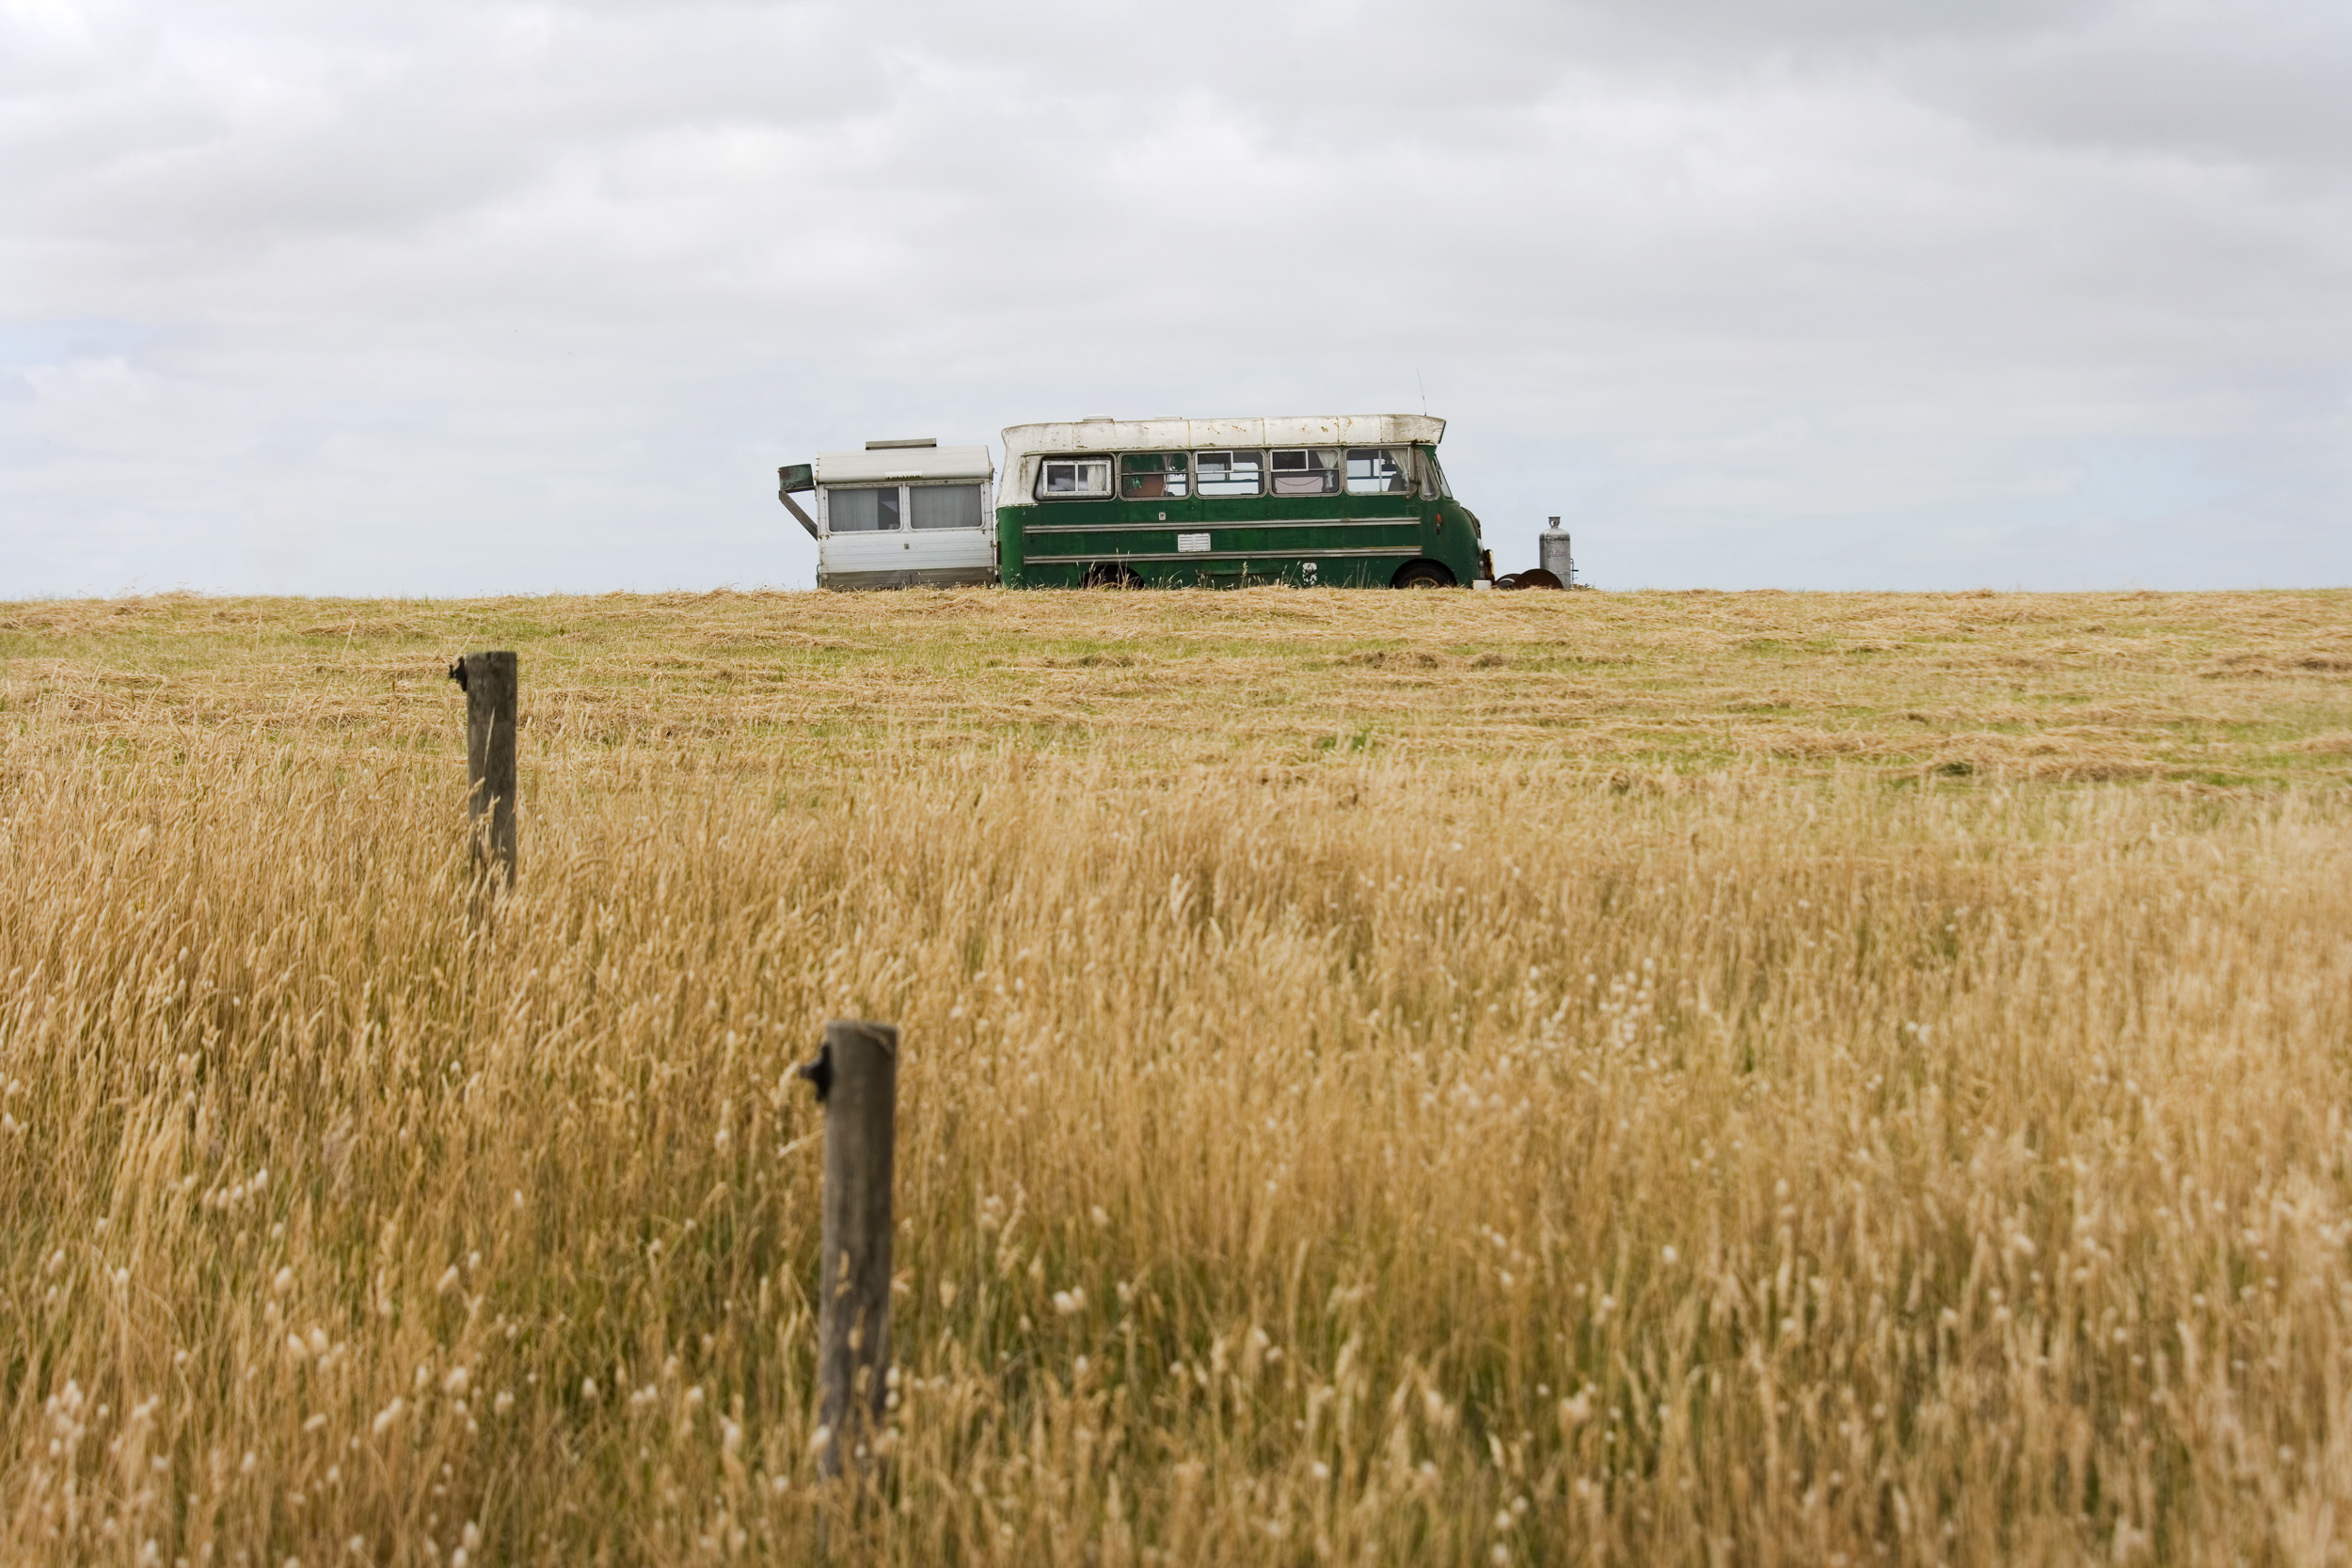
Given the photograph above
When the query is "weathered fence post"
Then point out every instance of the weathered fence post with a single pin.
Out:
(856, 1074)
(489, 682)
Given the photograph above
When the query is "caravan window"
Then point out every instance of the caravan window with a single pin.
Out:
(1377, 471)
(1228, 473)
(1314, 471)
(1150, 476)
(1069, 478)
(867, 510)
(943, 505)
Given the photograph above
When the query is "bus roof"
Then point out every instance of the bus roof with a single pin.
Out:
(1295, 430)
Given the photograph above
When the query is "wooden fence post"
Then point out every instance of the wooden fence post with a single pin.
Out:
(856, 1074)
(488, 681)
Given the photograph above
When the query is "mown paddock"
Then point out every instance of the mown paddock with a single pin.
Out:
(1433, 1078)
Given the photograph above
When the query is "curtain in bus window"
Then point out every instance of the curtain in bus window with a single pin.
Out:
(1151, 475)
(1072, 477)
(1227, 473)
(1377, 471)
(1437, 475)
(945, 505)
(866, 511)
(1311, 472)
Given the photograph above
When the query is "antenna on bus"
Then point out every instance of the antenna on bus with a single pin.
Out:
(1424, 391)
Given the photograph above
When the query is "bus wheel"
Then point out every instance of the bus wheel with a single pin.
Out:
(1110, 574)
(1422, 574)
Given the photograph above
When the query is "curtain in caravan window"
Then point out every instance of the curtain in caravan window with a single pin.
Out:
(862, 511)
(943, 505)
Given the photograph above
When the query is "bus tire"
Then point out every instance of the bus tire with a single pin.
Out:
(1422, 574)
(1110, 574)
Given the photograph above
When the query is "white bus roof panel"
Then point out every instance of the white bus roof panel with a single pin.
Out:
(860, 468)
(1294, 430)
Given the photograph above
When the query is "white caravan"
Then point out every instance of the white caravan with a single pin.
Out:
(898, 515)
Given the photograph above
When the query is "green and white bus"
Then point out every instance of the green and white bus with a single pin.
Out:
(1337, 502)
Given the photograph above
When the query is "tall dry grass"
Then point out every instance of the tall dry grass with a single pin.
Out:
(1422, 1082)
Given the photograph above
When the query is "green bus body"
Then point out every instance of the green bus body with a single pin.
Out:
(1416, 535)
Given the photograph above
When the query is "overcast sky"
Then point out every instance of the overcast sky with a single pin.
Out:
(450, 296)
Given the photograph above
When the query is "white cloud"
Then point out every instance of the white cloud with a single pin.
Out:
(440, 297)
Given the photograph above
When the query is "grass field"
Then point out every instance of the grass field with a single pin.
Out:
(1429, 1078)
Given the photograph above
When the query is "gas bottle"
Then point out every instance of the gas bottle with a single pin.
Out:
(1556, 556)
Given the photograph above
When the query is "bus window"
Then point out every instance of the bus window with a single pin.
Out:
(943, 505)
(1068, 479)
(1228, 473)
(863, 511)
(1437, 475)
(1149, 476)
(1377, 471)
(1313, 471)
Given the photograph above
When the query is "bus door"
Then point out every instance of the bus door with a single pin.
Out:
(1231, 485)
(1159, 515)
(1306, 538)
(1382, 502)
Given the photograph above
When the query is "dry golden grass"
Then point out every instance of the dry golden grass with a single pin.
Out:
(1442, 1078)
